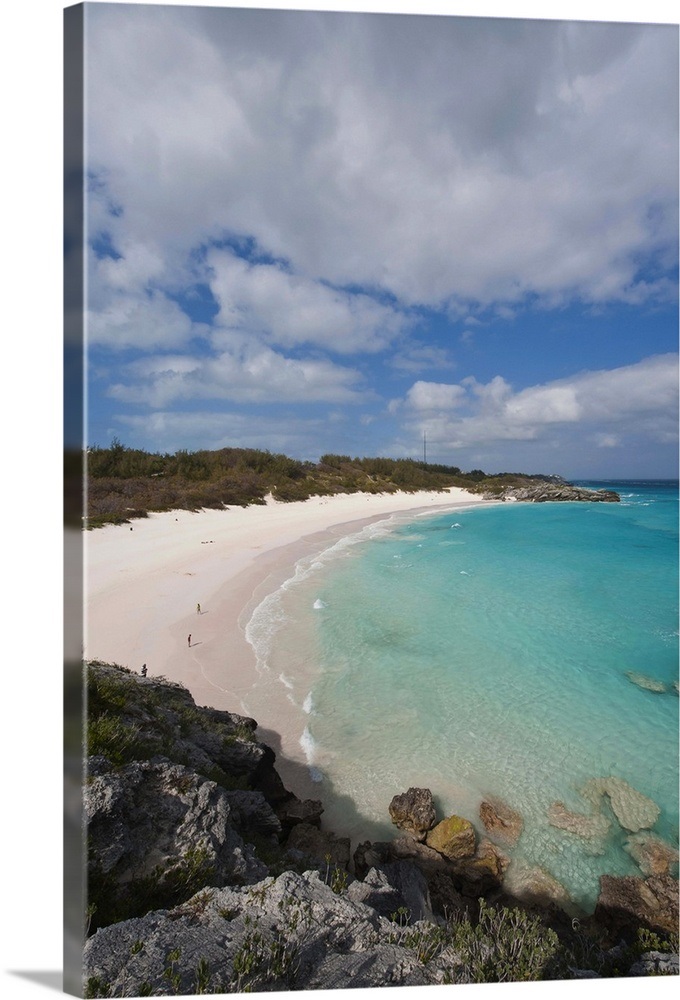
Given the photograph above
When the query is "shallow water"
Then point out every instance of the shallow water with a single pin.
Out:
(488, 651)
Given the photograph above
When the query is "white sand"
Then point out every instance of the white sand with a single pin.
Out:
(143, 585)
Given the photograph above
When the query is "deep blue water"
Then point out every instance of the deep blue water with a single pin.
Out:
(507, 650)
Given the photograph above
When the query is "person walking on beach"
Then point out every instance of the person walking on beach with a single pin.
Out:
(198, 609)
(189, 640)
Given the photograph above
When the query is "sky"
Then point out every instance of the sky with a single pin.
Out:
(316, 232)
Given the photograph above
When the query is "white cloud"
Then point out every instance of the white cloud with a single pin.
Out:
(242, 371)
(144, 320)
(427, 397)
(288, 309)
(607, 405)
(514, 158)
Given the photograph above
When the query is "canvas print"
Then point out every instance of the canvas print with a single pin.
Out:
(375, 499)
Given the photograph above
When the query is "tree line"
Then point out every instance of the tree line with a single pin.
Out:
(125, 483)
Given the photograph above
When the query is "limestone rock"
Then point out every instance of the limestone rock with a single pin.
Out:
(394, 886)
(160, 824)
(295, 810)
(414, 812)
(251, 813)
(633, 810)
(590, 827)
(629, 901)
(500, 821)
(321, 940)
(544, 492)
(371, 855)
(454, 837)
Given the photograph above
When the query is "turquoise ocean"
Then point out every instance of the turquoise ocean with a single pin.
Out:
(505, 650)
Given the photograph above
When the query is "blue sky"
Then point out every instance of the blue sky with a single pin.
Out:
(318, 232)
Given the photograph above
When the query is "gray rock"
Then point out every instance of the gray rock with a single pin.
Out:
(545, 492)
(413, 811)
(295, 810)
(250, 812)
(371, 855)
(154, 819)
(290, 933)
(394, 886)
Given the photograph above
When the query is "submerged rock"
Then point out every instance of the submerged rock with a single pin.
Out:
(414, 812)
(646, 683)
(500, 821)
(454, 837)
(653, 855)
(633, 810)
(590, 827)
(535, 886)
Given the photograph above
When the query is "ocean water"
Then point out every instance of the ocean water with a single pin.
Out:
(501, 651)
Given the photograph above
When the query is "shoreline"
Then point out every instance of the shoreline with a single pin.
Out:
(145, 580)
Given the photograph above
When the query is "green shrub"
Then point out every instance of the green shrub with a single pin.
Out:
(504, 946)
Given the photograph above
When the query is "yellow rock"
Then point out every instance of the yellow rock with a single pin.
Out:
(454, 837)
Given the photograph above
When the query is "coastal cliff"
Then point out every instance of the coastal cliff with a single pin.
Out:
(206, 875)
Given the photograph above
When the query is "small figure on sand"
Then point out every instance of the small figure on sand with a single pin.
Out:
(143, 670)
(189, 641)
(198, 609)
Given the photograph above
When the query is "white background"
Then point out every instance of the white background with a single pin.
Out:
(30, 487)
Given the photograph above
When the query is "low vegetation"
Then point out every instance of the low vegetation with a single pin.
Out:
(126, 483)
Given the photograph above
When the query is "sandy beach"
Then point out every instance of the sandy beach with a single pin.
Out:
(144, 581)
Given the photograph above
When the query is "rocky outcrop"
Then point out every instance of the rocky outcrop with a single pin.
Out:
(293, 811)
(292, 933)
(157, 830)
(414, 812)
(184, 852)
(544, 492)
(396, 887)
(500, 821)
(627, 902)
